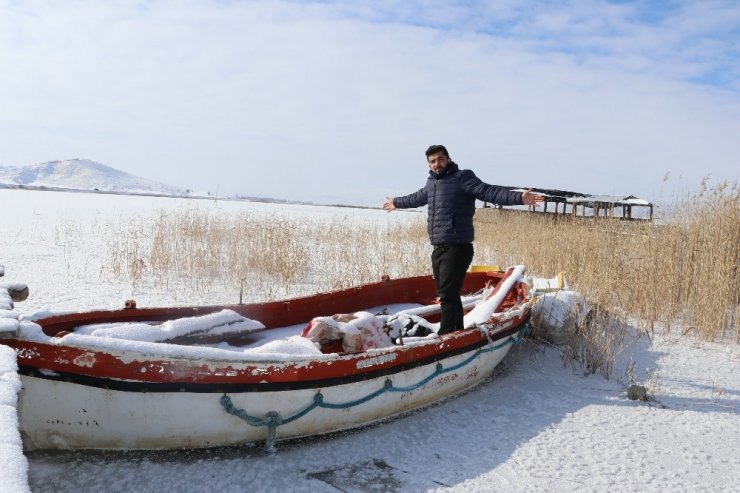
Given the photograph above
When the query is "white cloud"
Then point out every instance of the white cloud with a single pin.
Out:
(308, 101)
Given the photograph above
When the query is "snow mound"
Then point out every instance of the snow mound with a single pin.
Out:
(219, 323)
(15, 465)
(557, 313)
(292, 346)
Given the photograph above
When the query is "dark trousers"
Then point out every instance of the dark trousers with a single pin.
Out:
(449, 264)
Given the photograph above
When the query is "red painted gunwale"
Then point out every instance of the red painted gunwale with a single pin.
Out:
(144, 368)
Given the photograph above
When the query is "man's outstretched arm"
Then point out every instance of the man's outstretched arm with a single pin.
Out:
(416, 199)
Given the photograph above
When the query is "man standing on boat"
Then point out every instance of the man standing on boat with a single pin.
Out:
(450, 194)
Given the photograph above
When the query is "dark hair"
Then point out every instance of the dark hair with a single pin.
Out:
(435, 149)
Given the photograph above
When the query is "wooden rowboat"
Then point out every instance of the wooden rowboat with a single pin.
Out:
(204, 389)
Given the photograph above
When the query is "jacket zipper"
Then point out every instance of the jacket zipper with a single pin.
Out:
(434, 208)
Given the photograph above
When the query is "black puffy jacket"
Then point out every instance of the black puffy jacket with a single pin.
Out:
(451, 196)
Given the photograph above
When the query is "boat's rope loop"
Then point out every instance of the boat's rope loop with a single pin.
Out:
(272, 419)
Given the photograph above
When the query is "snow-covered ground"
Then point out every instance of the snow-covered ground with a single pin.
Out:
(535, 426)
(14, 463)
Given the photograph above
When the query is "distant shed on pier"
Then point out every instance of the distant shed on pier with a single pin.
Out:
(608, 205)
(592, 206)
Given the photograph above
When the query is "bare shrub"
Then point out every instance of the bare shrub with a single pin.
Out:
(595, 340)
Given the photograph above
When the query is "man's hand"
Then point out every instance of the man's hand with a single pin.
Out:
(532, 198)
(388, 205)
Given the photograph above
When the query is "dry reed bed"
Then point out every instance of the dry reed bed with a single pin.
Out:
(681, 271)
(269, 256)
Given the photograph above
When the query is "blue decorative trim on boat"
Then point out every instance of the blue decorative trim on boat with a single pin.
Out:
(273, 419)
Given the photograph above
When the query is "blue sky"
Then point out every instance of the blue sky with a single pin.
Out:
(336, 101)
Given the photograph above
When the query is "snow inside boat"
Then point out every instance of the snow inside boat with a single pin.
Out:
(186, 377)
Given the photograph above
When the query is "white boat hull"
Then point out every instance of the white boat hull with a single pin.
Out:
(62, 415)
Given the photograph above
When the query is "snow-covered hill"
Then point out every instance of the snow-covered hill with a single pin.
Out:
(82, 174)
